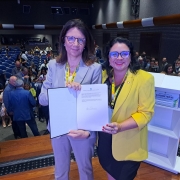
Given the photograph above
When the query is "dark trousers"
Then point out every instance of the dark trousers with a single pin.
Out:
(22, 127)
(15, 128)
(45, 112)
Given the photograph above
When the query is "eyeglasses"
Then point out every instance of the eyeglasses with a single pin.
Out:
(115, 54)
(71, 40)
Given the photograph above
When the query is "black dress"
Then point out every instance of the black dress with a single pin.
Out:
(120, 170)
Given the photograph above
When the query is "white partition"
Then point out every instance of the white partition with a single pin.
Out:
(164, 128)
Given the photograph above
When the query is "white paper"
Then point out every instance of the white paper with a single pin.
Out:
(92, 107)
(62, 111)
(70, 110)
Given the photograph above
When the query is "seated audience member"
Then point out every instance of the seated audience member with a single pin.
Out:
(17, 67)
(34, 68)
(44, 65)
(43, 52)
(168, 70)
(36, 50)
(24, 75)
(140, 62)
(163, 64)
(147, 64)
(136, 56)
(177, 67)
(22, 102)
(98, 52)
(156, 66)
(49, 49)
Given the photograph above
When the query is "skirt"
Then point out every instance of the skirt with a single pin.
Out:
(119, 170)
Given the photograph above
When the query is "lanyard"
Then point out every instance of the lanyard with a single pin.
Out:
(115, 92)
(68, 80)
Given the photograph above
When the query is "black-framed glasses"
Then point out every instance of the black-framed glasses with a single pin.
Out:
(115, 54)
(71, 39)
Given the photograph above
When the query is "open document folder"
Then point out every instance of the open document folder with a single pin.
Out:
(86, 109)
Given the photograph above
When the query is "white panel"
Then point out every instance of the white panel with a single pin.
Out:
(93, 26)
(171, 82)
(104, 26)
(158, 144)
(147, 22)
(8, 26)
(163, 162)
(158, 78)
(120, 24)
(162, 118)
(39, 26)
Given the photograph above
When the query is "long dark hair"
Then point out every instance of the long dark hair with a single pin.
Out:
(133, 66)
(88, 53)
(166, 68)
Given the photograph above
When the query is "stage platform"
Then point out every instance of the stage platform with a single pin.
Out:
(37, 151)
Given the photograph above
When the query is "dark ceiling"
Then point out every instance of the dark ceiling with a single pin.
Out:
(72, 1)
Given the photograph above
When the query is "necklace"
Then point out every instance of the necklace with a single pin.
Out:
(115, 92)
(68, 77)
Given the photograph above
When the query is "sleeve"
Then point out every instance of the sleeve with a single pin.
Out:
(31, 99)
(97, 75)
(146, 103)
(6, 100)
(43, 97)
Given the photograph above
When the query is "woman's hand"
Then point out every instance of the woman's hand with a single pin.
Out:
(76, 86)
(79, 134)
(112, 128)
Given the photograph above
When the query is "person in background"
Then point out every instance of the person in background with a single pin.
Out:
(17, 67)
(3, 112)
(168, 70)
(122, 144)
(74, 66)
(21, 103)
(24, 75)
(28, 87)
(98, 52)
(177, 67)
(163, 64)
(140, 62)
(44, 65)
(11, 87)
(49, 49)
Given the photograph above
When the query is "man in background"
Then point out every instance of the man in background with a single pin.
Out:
(22, 102)
(11, 87)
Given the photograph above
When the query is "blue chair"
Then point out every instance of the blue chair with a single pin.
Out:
(5, 64)
(1, 71)
(3, 68)
(11, 66)
(8, 75)
(9, 70)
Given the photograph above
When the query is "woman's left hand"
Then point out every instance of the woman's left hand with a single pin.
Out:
(79, 134)
(111, 128)
(76, 86)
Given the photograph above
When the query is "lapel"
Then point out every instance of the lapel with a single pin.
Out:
(124, 92)
(60, 75)
(81, 73)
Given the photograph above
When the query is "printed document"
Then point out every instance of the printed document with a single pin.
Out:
(86, 109)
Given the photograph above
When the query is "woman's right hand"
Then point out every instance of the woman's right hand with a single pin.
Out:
(76, 86)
